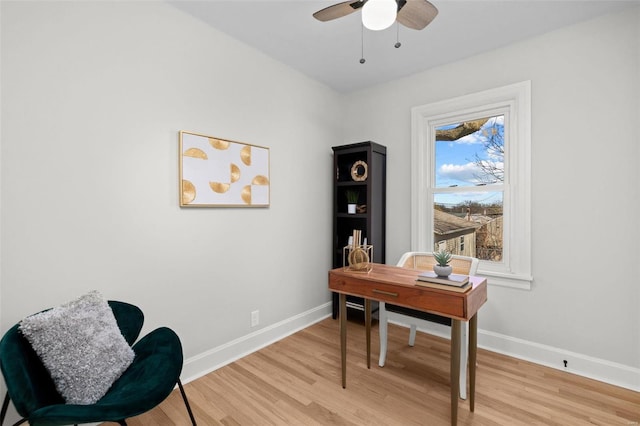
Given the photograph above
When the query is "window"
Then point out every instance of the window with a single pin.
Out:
(471, 181)
(468, 187)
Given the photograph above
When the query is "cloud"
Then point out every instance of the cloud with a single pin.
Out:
(472, 139)
(460, 172)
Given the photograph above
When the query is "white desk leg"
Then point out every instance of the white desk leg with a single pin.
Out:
(464, 354)
(412, 334)
(382, 329)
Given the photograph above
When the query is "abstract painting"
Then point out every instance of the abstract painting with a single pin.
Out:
(217, 172)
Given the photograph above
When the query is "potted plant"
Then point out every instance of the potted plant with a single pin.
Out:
(352, 201)
(442, 267)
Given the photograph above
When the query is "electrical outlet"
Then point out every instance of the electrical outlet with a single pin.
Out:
(255, 318)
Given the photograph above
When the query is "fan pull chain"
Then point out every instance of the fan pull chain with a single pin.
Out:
(362, 60)
(398, 44)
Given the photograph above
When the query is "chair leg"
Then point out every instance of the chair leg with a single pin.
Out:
(464, 356)
(186, 403)
(412, 335)
(5, 405)
(382, 330)
(3, 412)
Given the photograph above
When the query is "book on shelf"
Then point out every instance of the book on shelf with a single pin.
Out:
(462, 289)
(453, 280)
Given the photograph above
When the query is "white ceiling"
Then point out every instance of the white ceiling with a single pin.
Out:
(330, 51)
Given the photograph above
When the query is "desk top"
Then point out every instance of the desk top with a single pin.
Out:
(397, 285)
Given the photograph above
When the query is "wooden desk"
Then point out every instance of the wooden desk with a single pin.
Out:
(396, 285)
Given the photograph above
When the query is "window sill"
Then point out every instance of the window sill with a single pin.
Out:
(516, 281)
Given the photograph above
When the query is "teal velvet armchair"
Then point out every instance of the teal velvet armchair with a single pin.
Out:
(145, 383)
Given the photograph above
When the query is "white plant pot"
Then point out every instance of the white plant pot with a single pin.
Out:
(351, 208)
(442, 271)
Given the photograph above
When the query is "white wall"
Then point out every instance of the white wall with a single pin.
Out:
(94, 95)
(585, 115)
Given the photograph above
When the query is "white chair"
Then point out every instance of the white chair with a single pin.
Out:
(424, 261)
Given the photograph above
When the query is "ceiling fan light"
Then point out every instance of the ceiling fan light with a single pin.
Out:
(379, 14)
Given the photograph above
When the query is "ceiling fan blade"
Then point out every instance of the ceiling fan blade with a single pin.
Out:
(416, 14)
(338, 10)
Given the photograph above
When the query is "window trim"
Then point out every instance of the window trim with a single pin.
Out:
(515, 100)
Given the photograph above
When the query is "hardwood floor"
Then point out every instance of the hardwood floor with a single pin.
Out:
(296, 381)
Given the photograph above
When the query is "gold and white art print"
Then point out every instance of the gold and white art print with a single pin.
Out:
(221, 173)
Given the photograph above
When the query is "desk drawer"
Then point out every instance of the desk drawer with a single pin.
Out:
(440, 302)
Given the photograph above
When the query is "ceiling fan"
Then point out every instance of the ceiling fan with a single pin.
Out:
(415, 14)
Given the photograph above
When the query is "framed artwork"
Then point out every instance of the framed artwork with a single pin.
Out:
(216, 172)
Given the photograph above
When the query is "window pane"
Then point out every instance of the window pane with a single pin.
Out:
(470, 153)
(469, 224)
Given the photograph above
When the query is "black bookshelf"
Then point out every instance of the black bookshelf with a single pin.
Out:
(359, 167)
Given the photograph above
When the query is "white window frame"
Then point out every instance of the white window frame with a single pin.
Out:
(514, 101)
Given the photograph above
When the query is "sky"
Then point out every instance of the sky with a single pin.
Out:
(456, 166)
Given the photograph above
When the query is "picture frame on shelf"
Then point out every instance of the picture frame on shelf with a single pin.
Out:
(359, 171)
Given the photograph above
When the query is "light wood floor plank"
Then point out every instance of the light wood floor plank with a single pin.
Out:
(296, 381)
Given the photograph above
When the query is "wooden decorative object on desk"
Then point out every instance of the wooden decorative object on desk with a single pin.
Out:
(358, 260)
(359, 254)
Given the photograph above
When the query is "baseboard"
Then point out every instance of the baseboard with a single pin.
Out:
(594, 368)
(202, 364)
(583, 365)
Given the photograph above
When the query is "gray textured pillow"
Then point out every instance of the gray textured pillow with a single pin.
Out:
(81, 346)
